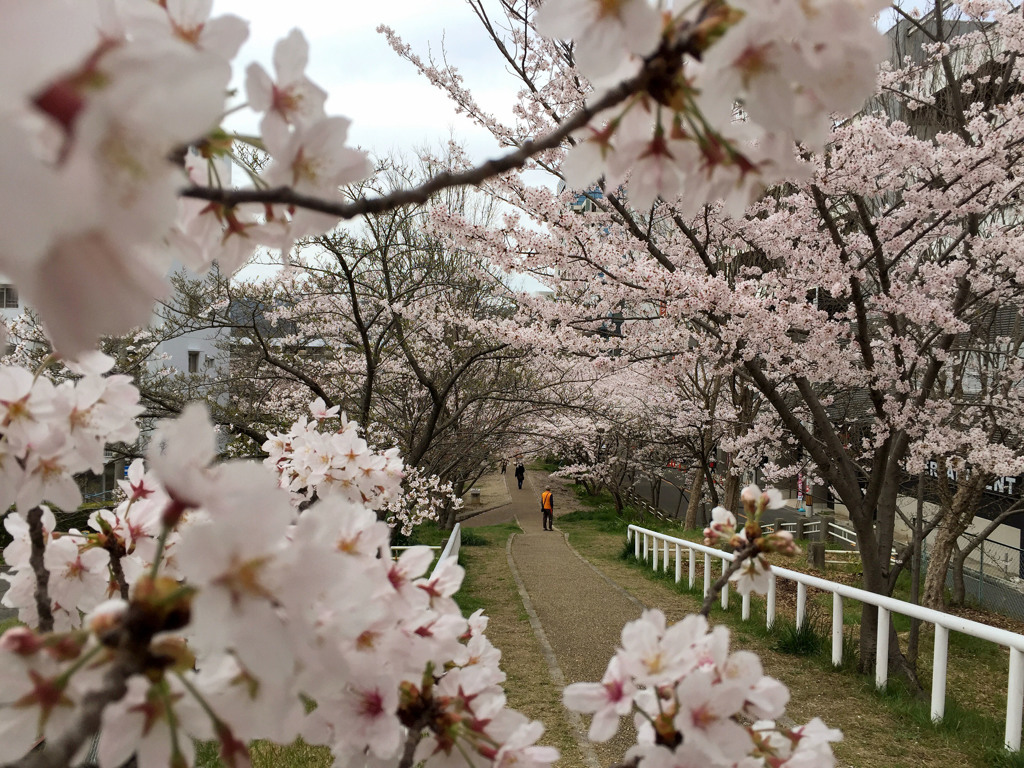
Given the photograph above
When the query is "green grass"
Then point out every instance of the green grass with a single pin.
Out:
(490, 536)
(470, 538)
(959, 722)
(812, 638)
(546, 464)
(428, 533)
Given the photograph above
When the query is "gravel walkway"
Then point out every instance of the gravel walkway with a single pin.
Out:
(576, 612)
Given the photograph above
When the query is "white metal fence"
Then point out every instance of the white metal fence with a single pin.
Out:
(646, 545)
(450, 549)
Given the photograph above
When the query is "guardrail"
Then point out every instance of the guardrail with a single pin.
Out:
(451, 548)
(943, 622)
(639, 501)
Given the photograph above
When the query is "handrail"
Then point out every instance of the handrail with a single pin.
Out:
(451, 549)
(943, 622)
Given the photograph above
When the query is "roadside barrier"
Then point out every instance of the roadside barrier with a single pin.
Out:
(646, 544)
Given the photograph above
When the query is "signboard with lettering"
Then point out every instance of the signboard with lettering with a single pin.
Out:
(1008, 485)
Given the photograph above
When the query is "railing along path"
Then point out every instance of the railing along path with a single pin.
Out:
(943, 622)
(451, 547)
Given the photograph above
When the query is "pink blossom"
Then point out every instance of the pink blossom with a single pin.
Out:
(608, 700)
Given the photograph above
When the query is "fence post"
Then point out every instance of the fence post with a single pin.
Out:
(636, 545)
(882, 648)
(770, 611)
(816, 554)
(693, 568)
(800, 533)
(707, 574)
(801, 603)
(778, 524)
(939, 658)
(679, 563)
(1014, 700)
(837, 629)
(725, 588)
(654, 559)
(666, 556)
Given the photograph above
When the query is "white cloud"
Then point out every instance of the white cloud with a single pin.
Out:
(391, 105)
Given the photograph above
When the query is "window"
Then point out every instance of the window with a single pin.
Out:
(193, 362)
(8, 296)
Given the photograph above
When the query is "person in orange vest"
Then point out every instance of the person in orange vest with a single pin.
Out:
(547, 508)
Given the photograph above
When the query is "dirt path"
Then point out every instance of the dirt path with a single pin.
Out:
(576, 613)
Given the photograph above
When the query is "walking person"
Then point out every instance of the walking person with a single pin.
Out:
(547, 509)
(504, 465)
(520, 474)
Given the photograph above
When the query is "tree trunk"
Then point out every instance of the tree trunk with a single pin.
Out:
(695, 495)
(731, 494)
(617, 498)
(938, 564)
(956, 520)
(915, 572)
(679, 503)
(449, 513)
(959, 595)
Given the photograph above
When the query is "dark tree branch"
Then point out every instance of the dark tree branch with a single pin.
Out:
(36, 536)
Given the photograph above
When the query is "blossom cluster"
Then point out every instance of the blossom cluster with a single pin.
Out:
(311, 462)
(315, 463)
(99, 102)
(788, 65)
(245, 609)
(754, 571)
(423, 497)
(696, 704)
(50, 433)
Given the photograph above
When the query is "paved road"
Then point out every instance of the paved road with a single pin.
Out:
(576, 614)
(673, 499)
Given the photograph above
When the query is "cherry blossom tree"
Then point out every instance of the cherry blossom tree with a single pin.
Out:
(231, 607)
(840, 296)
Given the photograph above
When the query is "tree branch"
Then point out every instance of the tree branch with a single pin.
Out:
(36, 536)
(422, 193)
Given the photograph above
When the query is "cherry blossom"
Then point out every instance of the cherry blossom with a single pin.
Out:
(294, 99)
(244, 591)
(606, 31)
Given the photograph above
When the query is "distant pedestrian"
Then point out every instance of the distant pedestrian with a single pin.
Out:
(547, 509)
(504, 465)
(520, 474)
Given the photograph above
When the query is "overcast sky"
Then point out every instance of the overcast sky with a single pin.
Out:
(389, 103)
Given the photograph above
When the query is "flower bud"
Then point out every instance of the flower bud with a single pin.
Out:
(173, 652)
(749, 496)
(106, 616)
(781, 542)
(66, 647)
(20, 640)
